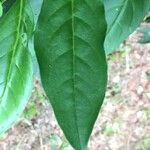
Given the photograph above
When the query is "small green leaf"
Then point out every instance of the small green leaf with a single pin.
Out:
(146, 143)
(31, 111)
(15, 63)
(69, 46)
(55, 142)
(145, 38)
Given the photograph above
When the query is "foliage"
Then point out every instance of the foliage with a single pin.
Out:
(15, 63)
(145, 38)
(70, 37)
(123, 17)
(78, 59)
(31, 111)
(1, 9)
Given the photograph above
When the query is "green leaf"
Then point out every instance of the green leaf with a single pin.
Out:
(36, 7)
(1, 9)
(15, 63)
(31, 111)
(69, 46)
(123, 17)
(7, 4)
(145, 38)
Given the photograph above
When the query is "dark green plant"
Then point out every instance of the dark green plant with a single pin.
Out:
(69, 40)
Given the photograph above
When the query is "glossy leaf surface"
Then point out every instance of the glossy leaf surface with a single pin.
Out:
(15, 62)
(123, 17)
(69, 46)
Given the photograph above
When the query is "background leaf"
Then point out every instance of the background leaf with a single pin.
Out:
(1, 9)
(36, 8)
(69, 46)
(16, 27)
(123, 17)
(145, 38)
(7, 5)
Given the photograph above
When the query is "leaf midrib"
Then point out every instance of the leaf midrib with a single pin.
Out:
(73, 65)
(14, 47)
